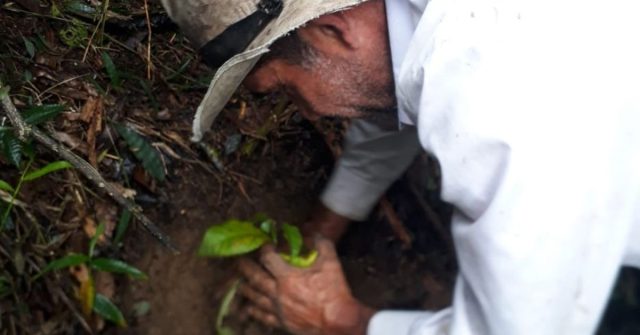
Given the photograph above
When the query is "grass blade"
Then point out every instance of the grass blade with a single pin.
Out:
(30, 47)
(225, 306)
(112, 71)
(49, 168)
(39, 114)
(6, 187)
(123, 224)
(64, 262)
(94, 239)
(107, 310)
(117, 266)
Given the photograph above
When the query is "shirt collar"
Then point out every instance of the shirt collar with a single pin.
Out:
(402, 19)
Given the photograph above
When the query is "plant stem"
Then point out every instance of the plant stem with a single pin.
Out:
(7, 211)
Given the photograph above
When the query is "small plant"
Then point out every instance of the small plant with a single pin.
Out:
(25, 177)
(89, 299)
(237, 237)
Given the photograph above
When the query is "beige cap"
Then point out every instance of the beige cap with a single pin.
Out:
(204, 21)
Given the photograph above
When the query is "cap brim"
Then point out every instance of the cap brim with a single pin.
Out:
(231, 74)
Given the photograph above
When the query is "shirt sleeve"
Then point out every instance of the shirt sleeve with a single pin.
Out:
(541, 165)
(375, 155)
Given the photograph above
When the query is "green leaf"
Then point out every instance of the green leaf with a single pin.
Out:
(107, 310)
(267, 225)
(11, 148)
(64, 262)
(94, 239)
(123, 224)
(4, 92)
(117, 266)
(112, 71)
(232, 238)
(294, 239)
(225, 306)
(31, 48)
(6, 187)
(49, 168)
(38, 114)
(144, 151)
(301, 261)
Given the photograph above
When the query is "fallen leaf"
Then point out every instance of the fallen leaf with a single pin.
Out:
(91, 228)
(85, 293)
(95, 128)
(89, 109)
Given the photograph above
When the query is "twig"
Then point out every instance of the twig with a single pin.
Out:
(396, 224)
(24, 131)
(149, 61)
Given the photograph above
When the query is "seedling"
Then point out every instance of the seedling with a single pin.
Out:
(89, 299)
(237, 237)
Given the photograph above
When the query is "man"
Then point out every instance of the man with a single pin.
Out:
(530, 107)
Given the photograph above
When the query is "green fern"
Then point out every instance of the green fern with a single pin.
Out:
(11, 147)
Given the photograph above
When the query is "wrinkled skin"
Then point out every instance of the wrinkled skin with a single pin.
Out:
(351, 76)
(313, 301)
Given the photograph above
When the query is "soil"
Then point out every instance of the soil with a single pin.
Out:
(184, 291)
(280, 176)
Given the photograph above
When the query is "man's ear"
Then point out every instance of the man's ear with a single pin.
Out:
(331, 33)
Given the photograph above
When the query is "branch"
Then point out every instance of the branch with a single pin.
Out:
(25, 131)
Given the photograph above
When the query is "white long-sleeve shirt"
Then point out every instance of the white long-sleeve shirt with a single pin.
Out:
(531, 108)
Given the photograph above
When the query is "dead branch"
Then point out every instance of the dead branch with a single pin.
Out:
(24, 131)
(396, 224)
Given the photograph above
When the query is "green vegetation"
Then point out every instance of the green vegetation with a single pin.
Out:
(237, 237)
(89, 299)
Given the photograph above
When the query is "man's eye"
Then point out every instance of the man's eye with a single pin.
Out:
(330, 31)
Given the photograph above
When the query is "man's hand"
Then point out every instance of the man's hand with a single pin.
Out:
(311, 301)
(325, 222)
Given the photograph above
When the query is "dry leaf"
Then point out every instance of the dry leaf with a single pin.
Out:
(94, 130)
(90, 228)
(89, 109)
(86, 292)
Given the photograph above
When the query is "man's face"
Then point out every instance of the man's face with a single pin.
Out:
(338, 67)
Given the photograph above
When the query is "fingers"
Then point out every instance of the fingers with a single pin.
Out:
(267, 318)
(274, 262)
(257, 277)
(257, 298)
(325, 247)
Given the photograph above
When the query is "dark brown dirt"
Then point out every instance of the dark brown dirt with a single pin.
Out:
(184, 291)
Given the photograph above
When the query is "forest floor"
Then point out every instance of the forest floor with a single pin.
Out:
(83, 70)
